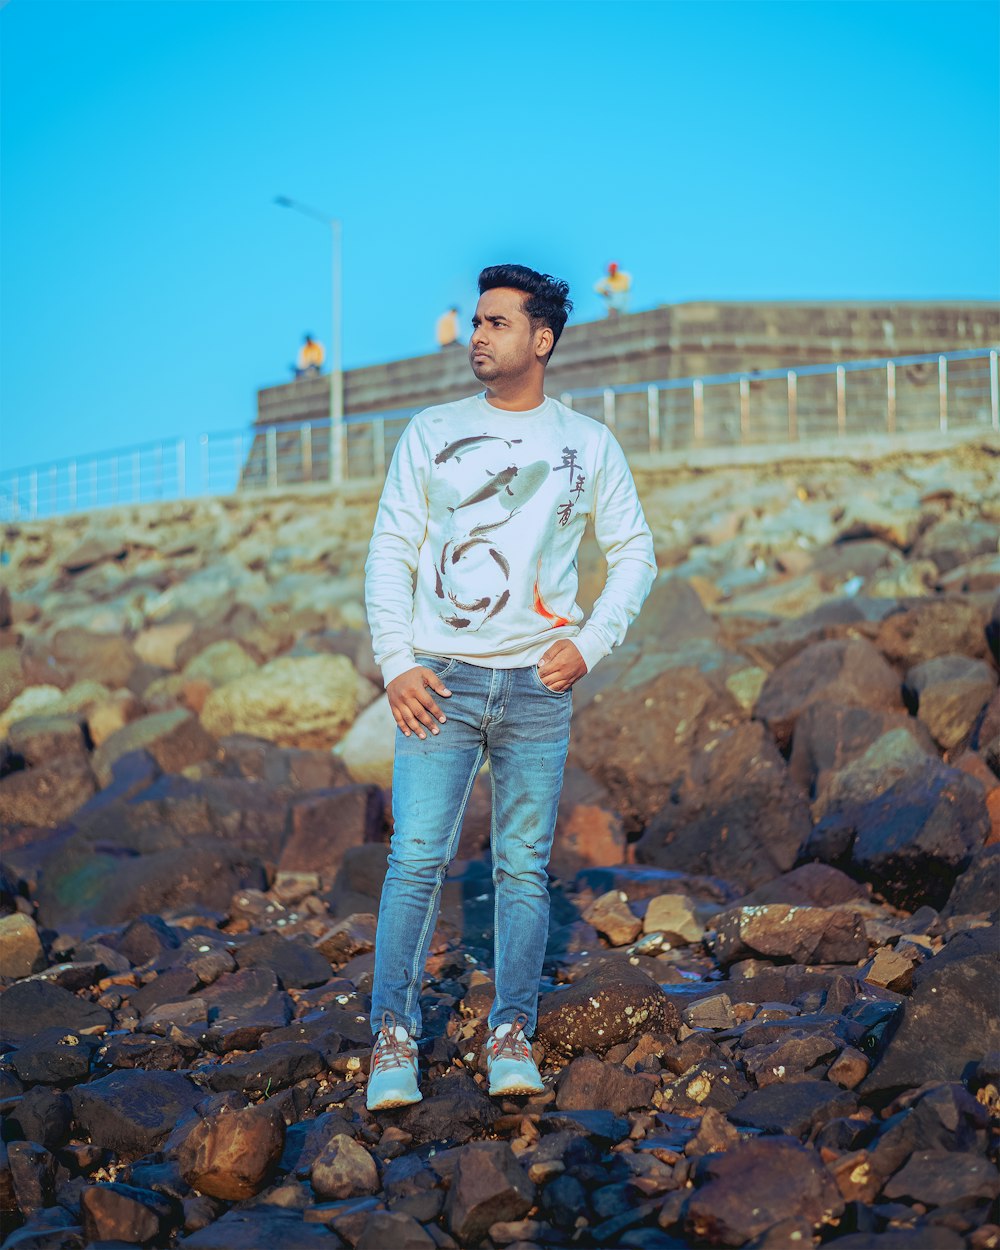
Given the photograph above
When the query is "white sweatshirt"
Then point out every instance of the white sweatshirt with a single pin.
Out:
(474, 550)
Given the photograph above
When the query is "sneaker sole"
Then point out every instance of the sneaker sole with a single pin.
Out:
(515, 1090)
(388, 1103)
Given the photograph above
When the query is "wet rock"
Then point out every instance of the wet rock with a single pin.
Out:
(454, 1108)
(130, 1113)
(344, 1169)
(943, 1178)
(488, 1185)
(779, 930)
(21, 951)
(296, 965)
(931, 628)
(595, 1014)
(30, 1006)
(174, 739)
(46, 796)
(793, 1107)
(323, 824)
(850, 672)
(587, 1084)
(307, 702)
(122, 1213)
(947, 694)
(611, 915)
(755, 1185)
(251, 1228)
(912, 841)
(736, 789)
(233, 1153)
(948, 1023)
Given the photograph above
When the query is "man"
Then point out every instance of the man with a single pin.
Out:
(615, 287)
(471, 591)
(310, 358)
(446, 329)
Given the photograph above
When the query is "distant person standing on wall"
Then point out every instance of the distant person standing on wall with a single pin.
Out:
(615, 287)
(311, 357)
(446, 329)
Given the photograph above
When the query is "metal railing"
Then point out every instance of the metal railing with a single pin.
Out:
(952, 390)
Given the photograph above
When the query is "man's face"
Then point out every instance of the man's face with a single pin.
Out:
(503, 343)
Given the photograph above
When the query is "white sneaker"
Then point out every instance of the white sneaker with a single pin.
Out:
(392, 1077)
(509, 1063)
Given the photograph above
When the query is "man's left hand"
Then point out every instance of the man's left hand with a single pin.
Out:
(561, 666)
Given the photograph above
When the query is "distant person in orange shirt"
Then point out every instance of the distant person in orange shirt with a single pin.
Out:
(615, 287)
(446, 329)
(311, 357)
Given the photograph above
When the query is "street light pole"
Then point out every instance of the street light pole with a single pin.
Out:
(337, 445)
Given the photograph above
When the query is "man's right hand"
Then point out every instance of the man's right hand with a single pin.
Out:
(412, 703)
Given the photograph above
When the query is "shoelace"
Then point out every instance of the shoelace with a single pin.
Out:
(513, 1042)
(390, 1052)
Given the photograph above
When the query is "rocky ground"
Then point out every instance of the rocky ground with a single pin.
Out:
(769, 1014)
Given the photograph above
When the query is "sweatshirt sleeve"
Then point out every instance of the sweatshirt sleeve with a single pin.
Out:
(627, 544)
(391, 567)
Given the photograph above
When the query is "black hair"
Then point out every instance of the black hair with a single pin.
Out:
(548, 302)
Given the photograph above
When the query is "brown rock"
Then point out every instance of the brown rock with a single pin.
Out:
(845, 672)
(11, 677)
(353, 936)
(598, 1011)
(99, 657)
(124, 1213)
(611, 915)
(324, 823)
(48, 795)
(106, 718)
(343, 1169)
(587, 1084)
(488, 1186)
(41, 739)
(892, 968)
(932, 628)
(802, 934)
(754, 1185)
(21, 952)
(676, 917)
(32, 1171)
(588, 829)
(95, 549)
(158, 644)
(948, 693)
(849, 1069)
(174, 739)
(232, 1154)
(855, 1177)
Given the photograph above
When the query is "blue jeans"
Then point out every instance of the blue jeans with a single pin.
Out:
(511, 718)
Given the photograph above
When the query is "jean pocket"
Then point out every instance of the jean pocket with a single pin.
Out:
(440, 665)
(556, 694)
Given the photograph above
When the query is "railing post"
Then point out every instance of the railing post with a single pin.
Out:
(181, 469)
(698, 399)
(378, 446)
(744, 409)
(653, 418)
(15, 491)
(158, 470)
(54, 488)
(33, 494)
(841, 401)
(271, 452)
(943, 393)
(114, 479)
(793, 405)
(609, 408)
(890, 396)
(994, 392)
(72, 485)
(306, 452)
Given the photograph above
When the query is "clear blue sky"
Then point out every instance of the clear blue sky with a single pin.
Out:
(716, 150)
